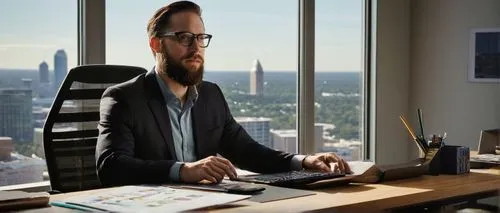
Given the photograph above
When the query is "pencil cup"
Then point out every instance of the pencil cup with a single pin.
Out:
(433, 156)
(455, 160)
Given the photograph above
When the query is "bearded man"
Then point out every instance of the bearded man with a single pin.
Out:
(169, 125)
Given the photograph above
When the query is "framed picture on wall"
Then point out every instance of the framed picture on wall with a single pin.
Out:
(484, 55)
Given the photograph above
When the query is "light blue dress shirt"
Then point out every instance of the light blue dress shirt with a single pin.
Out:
(181, 125)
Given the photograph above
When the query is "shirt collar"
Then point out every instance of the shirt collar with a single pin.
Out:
(192, 92)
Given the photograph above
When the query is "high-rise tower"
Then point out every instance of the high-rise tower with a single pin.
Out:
(257, 79)
(43, 70)
(60, 68)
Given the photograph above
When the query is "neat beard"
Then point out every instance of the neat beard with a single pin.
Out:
(177, 72)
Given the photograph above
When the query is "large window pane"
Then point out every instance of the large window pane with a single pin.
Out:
(252, 57)
(38, 44)
(338, 77)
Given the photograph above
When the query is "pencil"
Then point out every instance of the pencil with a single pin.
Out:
(419, 143)
(410, 130)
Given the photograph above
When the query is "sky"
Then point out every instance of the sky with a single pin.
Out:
(31, 31)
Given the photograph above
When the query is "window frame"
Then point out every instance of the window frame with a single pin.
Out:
(305, 80)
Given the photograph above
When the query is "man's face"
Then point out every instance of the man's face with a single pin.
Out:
(183, 63)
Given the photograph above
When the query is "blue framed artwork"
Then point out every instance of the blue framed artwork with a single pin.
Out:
(484, 55)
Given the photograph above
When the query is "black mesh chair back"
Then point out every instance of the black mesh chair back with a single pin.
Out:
(70, 130)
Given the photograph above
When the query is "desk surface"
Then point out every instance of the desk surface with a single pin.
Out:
(373, 197)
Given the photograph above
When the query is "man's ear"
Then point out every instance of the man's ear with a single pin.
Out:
(155, 44)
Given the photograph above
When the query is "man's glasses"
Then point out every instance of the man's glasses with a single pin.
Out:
(187, 38)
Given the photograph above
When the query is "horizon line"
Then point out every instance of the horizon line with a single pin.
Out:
(211, 70)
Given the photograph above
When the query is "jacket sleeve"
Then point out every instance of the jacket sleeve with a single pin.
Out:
(116, 164)
(246, 153)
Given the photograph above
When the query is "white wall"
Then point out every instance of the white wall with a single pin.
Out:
(439, 61)
(392, 77)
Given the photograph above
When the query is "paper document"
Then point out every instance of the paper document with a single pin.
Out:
(364, 172)
(152, 199)
(241, 172)
(359, 167)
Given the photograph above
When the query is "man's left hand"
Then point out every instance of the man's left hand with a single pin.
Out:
(322, 161)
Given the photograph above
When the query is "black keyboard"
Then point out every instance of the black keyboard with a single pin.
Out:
(291, 178)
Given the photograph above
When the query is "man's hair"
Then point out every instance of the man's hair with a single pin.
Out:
(161, 18)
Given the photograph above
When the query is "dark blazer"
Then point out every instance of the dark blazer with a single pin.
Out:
(135, 144)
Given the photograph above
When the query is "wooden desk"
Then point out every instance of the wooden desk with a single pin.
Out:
(371, 197)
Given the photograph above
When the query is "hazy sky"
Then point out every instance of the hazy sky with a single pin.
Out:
(32, 31)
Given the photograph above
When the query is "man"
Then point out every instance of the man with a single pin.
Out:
(169, 125)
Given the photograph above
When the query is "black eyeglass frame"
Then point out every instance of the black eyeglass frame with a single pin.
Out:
(200, 36)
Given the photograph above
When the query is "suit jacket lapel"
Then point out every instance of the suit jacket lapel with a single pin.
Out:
(157, 105)
(198, 114)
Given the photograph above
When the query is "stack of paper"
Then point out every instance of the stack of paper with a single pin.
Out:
(149, 199)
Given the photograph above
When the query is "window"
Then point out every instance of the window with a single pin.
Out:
(252, 57)
(38, 43)
(339, 77)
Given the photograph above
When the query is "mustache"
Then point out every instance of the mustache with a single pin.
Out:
(193, 56)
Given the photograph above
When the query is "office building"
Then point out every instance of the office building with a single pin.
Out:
(44, 87)
(43, 71)
(16, 119)
(318, 138)
(27, 83)
(286, 140)
(6, 147)
(60, 68)
(257, 79)
(257, 128)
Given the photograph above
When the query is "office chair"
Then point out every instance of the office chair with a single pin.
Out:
(70, 146)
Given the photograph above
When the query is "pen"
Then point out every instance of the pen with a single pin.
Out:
(76, 206)
(201, 187)
(70, 206)
(420, 117)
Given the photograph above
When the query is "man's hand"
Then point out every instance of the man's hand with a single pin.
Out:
(212, 169)
(321, 162)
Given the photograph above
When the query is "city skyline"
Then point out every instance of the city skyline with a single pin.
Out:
(338, 30)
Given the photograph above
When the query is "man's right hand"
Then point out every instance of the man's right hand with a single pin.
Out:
(212, 169)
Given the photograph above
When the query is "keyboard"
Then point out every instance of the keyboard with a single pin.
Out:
(292, 178)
